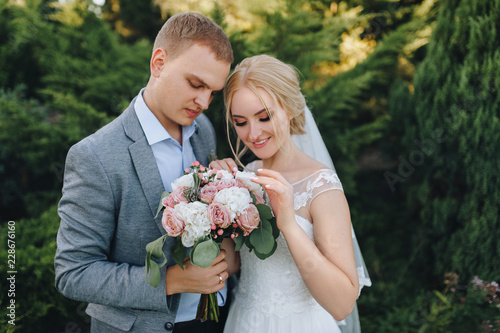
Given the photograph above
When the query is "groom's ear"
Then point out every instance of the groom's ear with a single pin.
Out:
(158, 60)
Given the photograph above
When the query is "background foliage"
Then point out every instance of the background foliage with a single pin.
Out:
(405, 94)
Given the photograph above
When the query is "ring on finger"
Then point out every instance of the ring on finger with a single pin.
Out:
(220, 278)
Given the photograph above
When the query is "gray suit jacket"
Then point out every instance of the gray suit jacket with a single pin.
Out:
(112, 188)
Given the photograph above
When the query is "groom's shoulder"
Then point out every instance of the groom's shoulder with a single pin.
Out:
(106, 134)
(109, 137)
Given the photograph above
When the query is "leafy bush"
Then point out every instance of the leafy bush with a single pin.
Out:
(39, 306)
(474, 307)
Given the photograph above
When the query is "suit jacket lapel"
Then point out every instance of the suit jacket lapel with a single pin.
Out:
(144, 162)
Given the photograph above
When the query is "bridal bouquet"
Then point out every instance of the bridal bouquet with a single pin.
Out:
(204, 207)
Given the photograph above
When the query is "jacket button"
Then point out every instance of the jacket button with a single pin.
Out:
(169, 326)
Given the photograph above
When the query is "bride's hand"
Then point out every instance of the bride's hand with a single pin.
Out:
(280, 194)
(227, 164)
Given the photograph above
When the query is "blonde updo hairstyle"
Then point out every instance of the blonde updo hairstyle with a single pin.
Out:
(278, 79)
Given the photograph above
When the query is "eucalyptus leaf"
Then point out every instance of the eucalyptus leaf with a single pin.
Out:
(154, 278)
(266, 225)
(155, 250)
(238, 241)
(262, 240)
(156, 247)
(160, 206)
(204, 253)
(264, 256)
(264, 211)
(274, 225)
(248, 244)
(147, 264)
(179, 253)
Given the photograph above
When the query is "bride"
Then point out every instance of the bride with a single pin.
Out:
(311, 282)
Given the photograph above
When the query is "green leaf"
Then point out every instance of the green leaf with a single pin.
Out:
(160, 206)
(238, 242)
(276, 230)
(264, 211)
(156, 247)
(147, 264)
(154, 278)
(197, 182)
(155, 250)
(248, 244)
(262, 239)
(204, 253)
(179, 253)
(264, 256)
(442, 297)
(266, 225)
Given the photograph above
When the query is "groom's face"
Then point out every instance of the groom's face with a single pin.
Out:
(187, 84)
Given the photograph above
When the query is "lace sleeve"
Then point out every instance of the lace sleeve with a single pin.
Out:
(309, 188)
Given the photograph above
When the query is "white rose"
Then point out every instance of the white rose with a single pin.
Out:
(225, 174)
(186, 181)
(192, 233)
(194, 214)
(245, 176)
(235, 199)
(188, 237)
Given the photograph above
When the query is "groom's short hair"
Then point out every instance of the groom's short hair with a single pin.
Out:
(185, 29)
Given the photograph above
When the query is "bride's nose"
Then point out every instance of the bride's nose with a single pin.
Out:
(255, 131)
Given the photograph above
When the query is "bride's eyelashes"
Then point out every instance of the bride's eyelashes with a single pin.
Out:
(239, 123)
(242, 123)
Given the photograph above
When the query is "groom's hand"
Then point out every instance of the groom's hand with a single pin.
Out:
(194, 279)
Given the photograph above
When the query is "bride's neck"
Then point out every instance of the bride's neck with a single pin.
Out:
(283, 159)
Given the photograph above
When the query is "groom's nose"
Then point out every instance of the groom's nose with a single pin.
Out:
(203, 99)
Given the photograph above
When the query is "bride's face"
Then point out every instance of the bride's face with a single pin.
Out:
(262, 134)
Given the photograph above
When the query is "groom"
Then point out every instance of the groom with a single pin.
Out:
(114, 179)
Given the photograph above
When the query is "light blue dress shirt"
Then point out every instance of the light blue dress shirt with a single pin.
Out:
(172, 158)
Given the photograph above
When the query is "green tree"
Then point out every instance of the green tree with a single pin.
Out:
(451, 144)
(133, 20)
(70, 86)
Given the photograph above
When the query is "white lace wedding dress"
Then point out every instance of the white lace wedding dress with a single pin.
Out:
(271, 295)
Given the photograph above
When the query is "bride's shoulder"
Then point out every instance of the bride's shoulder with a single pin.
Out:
(309, 171)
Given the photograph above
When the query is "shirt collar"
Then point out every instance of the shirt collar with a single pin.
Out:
(152, 127)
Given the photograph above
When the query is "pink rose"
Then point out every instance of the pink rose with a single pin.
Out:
(207, 193)
(174, 198)
(224, 183)
(259, 199)
(172, 224)
(219, 214)
(249, 219)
